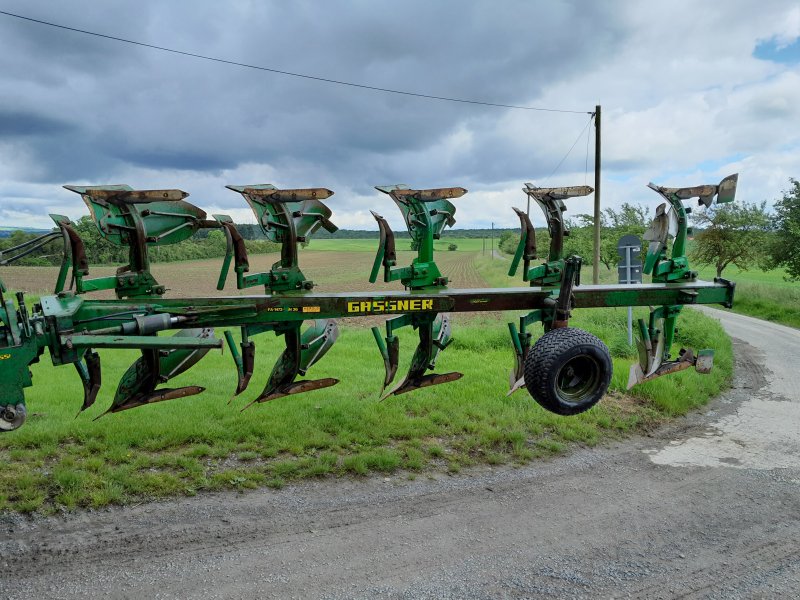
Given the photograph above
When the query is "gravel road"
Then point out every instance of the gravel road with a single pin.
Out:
(706, 507)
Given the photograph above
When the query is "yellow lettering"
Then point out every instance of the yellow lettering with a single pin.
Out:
(377, 306)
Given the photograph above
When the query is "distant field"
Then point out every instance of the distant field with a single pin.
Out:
(331, 267)
(464, 245)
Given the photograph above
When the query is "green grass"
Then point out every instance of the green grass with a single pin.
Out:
(773, 303)
(763, 294)
(335, 245)
(185, 446)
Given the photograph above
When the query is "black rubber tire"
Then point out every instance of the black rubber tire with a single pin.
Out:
(568, 370)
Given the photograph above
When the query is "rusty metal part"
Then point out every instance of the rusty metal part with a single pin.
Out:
(91, 377)
(686, 360)
(276, 195)
(430, 195)
(138, 385)
(557, 193)
(301, 352)
(434, 336)
(128, 196)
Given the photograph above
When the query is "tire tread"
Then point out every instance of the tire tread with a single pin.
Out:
(546, 357)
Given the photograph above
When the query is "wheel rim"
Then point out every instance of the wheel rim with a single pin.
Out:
(578, 378)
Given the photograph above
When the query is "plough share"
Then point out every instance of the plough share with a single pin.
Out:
(567, 370)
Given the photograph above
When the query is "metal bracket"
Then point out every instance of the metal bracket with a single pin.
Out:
(551, 201)
(426, 213)
(286, 217)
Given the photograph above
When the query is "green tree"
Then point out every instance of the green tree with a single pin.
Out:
(733, 233)
(784, 251)
(629, 219)
(508, 242)
(580, 240)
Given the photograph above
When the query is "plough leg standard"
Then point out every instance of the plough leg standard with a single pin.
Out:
(567, 370)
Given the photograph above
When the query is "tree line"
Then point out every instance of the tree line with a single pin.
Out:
(204, 244)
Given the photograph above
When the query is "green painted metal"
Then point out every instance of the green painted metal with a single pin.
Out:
(552, 272)
(302, 351)
(136, 219)
(72, 325)
(671, 222)
(140, 342)
(21, 344)
(551, 202)
(287, 217)
(426, 213)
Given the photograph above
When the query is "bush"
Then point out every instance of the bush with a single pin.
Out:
(508, 242)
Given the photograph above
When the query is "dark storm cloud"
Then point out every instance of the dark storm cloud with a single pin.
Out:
(15, 124)
(145, 108)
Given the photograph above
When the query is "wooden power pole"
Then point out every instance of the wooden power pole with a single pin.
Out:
(596, 262)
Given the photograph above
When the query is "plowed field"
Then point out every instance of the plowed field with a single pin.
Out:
(332, 272)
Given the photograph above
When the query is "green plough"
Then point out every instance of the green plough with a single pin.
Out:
(567, 370)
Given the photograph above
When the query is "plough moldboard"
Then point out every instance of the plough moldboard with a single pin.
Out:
(567, 370)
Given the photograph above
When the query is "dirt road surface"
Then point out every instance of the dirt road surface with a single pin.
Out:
(708, 507)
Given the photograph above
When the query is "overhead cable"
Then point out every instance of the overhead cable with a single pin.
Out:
(288, 73)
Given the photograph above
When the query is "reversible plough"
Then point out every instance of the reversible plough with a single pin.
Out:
(567, 370)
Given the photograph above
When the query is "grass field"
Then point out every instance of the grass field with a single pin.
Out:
(182, 447)
(762, 294)
(464, 245)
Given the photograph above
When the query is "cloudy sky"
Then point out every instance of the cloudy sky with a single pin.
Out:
(690, 92)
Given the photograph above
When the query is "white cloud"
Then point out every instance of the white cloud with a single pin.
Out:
(787, 28)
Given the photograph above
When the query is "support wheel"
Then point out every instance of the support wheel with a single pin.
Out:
(12, 417)
(568, 370)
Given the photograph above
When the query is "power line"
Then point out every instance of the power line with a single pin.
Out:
(561, 162)
(288, 73)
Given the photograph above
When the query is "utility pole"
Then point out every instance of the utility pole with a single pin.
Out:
(492, 249)
(596, 261)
